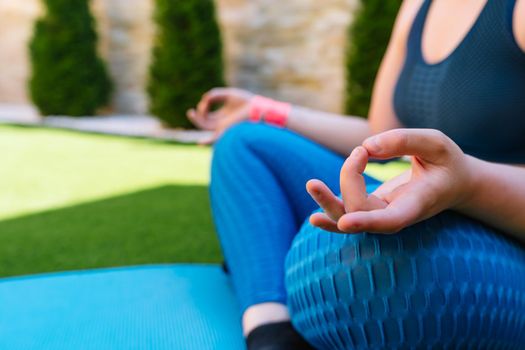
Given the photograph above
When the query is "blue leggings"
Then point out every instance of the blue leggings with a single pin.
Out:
(447, 282)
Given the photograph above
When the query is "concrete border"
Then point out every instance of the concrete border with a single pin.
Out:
(141, 126)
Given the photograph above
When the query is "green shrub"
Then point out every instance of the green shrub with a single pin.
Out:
(68, 78)
(369, 35)
(187, 58)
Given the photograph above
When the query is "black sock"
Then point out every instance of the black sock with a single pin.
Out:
(276, 336)
(225, 268)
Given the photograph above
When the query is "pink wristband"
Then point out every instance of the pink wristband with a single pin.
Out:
(263, 109)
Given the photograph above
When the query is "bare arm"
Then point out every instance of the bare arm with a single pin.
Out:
(519, 23)
(498, 190)
(497, 196)
(341, 134)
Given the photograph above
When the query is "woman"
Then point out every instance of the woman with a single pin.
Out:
(450, 93)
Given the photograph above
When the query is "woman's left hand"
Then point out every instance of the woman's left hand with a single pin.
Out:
(439, 179)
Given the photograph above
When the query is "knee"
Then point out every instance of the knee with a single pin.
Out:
(239, 144)
(235, 153)
(232, 147)
(239, 137)
(420, 286)
(234, 136)
(344, 283)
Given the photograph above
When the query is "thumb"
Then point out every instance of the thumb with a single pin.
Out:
(428, 145)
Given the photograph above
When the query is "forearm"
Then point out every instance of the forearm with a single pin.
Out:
(496, 196)
(338, 133)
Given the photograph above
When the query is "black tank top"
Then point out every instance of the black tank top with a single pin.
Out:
(477, 94)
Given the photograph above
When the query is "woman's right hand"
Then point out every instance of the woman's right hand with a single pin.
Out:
(235, 105)
(441, 178)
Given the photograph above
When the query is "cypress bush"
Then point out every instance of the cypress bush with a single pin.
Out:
(187, 58)
(68, 77)
(369, 36)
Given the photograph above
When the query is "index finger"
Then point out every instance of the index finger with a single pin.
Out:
(212, 96)
(326, 199)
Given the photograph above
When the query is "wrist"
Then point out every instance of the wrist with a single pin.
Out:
(475, 172)
(266, 110)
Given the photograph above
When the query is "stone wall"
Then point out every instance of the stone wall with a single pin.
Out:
(291, 50)
(16, 18)
(126, 36)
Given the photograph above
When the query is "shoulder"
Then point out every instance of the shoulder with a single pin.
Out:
(519, 23)
(409, 10)
(405, 19)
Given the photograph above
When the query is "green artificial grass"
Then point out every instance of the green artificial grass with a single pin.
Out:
(74, 201)
(386, 171)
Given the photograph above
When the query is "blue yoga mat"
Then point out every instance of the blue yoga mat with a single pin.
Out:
(149, 307)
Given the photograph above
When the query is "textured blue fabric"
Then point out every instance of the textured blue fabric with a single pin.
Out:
(446, 283)
(148, 307)
(259, 202)
(475, 95)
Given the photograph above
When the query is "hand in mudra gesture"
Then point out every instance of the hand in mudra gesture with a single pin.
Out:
(439, 179)
(234, 107)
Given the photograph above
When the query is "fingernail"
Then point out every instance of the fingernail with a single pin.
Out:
(315, 193)
(372, 144)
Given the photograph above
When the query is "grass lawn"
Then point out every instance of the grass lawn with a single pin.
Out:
(75, 201)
